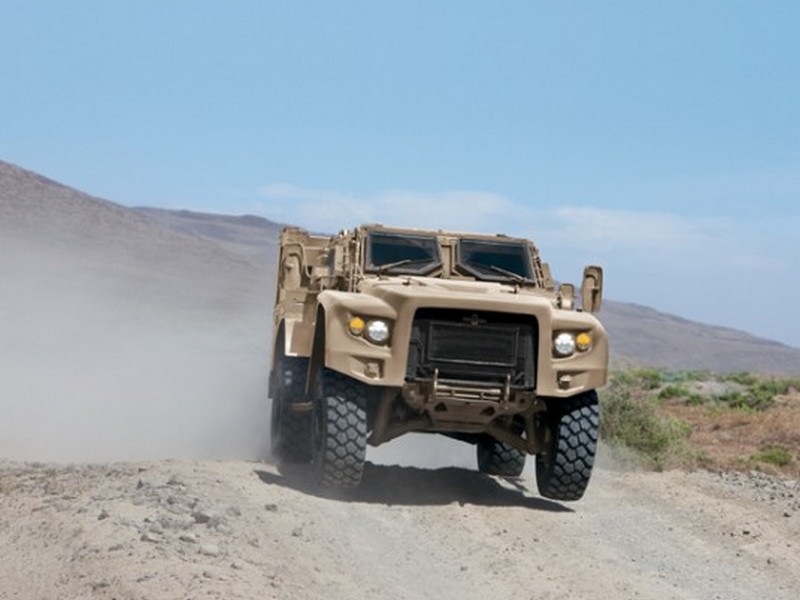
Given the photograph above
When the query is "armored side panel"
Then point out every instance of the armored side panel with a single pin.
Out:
(303, 271)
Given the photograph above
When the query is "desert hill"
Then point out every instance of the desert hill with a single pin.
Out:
(122, 338)
(46, 227)
(228, 261)
(141, 335)
(639, 335)
(252, 238)
(644, 336)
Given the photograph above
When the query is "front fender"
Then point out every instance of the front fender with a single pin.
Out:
(344, 352)
(347, 304)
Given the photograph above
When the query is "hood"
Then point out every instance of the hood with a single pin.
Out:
(432, 291)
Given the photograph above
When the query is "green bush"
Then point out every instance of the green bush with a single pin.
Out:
(633, 423)
(742, 378)
(759, 394)
(762, 394)
(673, 391)
(685, 376)
(694, 399)
(774, 455)
(777, 386)
(650, 378)
(734, 400)
(631, 406)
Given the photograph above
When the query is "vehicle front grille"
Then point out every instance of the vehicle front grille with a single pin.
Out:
(469, 346)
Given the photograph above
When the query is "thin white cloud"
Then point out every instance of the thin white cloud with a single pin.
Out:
(582, 229)
(637, 244)
(625, 228)
(675, 246)
(323, 210)
(688, 265)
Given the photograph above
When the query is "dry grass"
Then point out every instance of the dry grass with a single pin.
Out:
(728, 438)
(737, 421)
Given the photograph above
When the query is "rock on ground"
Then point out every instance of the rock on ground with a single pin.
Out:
(241, 530)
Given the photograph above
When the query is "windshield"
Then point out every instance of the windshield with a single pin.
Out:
(499, 261)
(401, 253)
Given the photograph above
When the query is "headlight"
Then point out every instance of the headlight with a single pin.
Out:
(377, 331)
(564, 344)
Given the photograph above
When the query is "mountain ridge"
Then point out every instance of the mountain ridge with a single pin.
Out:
(234, 257)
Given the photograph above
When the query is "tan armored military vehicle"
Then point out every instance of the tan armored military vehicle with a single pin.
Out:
(381, 331)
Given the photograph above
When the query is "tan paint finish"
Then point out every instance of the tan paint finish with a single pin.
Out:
(327, 273)
(323, 283)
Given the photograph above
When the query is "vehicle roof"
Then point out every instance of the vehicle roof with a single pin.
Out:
(442, 233)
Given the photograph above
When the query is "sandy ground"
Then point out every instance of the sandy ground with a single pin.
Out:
(236, 529)
(122, 341)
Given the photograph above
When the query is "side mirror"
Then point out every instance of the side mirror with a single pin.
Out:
(592, 289)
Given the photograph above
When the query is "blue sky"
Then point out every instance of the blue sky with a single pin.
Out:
(660, 139)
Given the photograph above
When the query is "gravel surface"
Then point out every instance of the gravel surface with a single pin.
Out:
(236, 529)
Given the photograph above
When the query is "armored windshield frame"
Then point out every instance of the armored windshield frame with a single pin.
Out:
(401, 253)
(519, 269)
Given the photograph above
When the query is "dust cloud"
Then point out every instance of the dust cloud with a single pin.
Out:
(97, 367)
(108, 362)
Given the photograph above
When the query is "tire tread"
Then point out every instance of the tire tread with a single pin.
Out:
(499, 458)
(563, 472)
(339, 461)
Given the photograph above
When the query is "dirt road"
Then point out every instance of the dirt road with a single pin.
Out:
(232, 530)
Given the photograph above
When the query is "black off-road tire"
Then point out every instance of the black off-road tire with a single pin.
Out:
(339, 431)
(290, 441)
(564, 465)
(498, 458)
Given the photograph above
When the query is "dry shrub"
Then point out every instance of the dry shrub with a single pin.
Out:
(733, 439)
(739, 421)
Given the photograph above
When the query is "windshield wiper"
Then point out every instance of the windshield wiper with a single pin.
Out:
(384, 268)
(515, 276)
